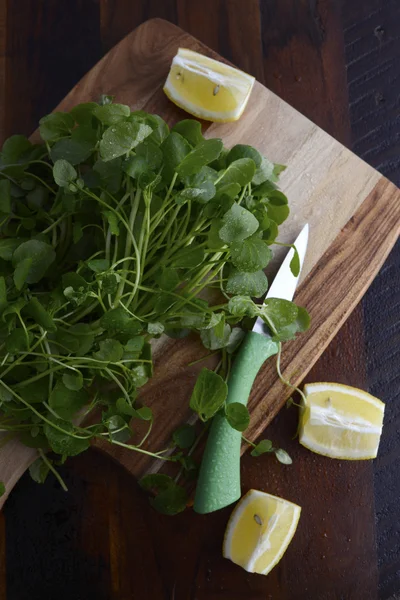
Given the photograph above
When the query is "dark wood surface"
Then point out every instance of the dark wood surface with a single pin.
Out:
(101, 540)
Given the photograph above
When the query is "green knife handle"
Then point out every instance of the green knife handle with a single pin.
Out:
(219, 478)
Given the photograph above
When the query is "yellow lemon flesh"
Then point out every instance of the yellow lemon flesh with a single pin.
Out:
(341, 421)
(259, 531)
(207, 88)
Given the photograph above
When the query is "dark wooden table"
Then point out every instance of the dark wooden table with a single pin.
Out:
(340, 67)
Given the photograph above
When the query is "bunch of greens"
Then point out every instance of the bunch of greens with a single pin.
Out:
(113, 231)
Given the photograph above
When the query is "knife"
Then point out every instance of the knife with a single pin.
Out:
(219, 478)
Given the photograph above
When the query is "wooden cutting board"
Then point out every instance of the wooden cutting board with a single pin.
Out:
(353, 212)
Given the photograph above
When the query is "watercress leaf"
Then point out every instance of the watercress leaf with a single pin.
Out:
(151, 153)
(243, 151)
(160, 129)
(240, 171)
(237, 415)
(271, 233)
(3, 293)
(263, 172)
(109, 283)
(209, 394)
(66, 401)
(64, 173)
(202, 154)
(231, 190)
(188, 257)
(74, 280)
(56, 125)
(252, 284)
(106, 99)
(145, 413)
(77, 232)
(252, 254)
(171, 501)
(263, 190)
(84, 337)
(278, 169)
(36, 310)
(156, 482)
(213, 320)
(110, 114)
(262, 448)
(190, 129)
(283, 456)
(83, 112)
(135, 344)
(117, 320)
(40, 256)
(35, 392)
(121, 138)
(277, 211)
(184, 436)
(214, 338)
(39, 471)
(155, 328)
(112, 220)
(238, 224)
(8, 246)
(140, 375)
(5, 196)
(18, 341)
(73, 151)
(295, 263)
(14, 148)
(135, 166)
(109, 351)
(174, 149)
(242, 306)
(61, 439)
(110, 173)
(279, 313)
(99, 265)
(235, 339)
(302, 323)
(167, 279)
(214, 242)
(73, 380)
(124, 408)
(2, 489)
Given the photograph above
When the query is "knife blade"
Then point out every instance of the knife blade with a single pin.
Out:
(219, 478)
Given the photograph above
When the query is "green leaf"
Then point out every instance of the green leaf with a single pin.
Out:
(214, 338)
(3, 294)
(145, 413)
(264, 172)
(240, 171)
(263, 447)
(55, 125)
(170, 498)
(249, 284)
(188, 257)
(77, 232)
(190, 129)
(37, 311)
(135, 344)
(174, 150)
(252, 254)
(109, 283)
(66, 401)
(243, 306)
(155, 328)
(121, 138)
(5, 197)
(295, 263)
(83, 112)
(14, 148)
(283, 456)
(8, 246)
(73, 380)
(83, 336)
(99, 265)
(109, 351)
(243, 151)
(117, 320)
(18, 341)
(209, 394)
(235, 339)
(2, 489)
(279, 313)
(302, 323)
(37, 198)
(63, 442)
(168, 279)
(73, 151)
(201, 155)
(237, 416)
(214, 242)
(151, 153)
(184, 436)
(135, 166)
(277, 208)
(39, 471)
(278, 169)
(238, 224)
(231, 190)
(110, 174)
(202, 194)
(110, 114)
(21, 273)
(155, 482)
(64, 173)
(160, 129)
(40, 256)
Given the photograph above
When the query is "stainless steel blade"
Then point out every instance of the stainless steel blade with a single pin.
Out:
(285, 283)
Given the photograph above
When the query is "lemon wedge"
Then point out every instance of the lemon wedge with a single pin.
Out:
(259, 531)
(341, 421)
(207, 88)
